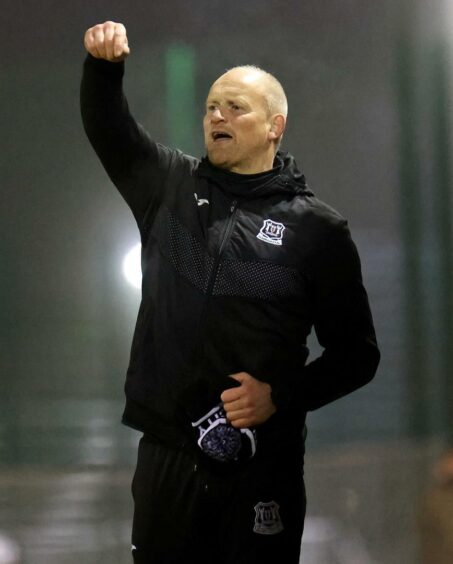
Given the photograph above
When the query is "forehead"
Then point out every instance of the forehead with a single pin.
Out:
(238, 84)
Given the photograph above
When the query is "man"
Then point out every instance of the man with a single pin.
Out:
(239, 262)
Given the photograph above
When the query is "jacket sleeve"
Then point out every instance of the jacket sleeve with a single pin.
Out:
(135, 164)
(344, 328)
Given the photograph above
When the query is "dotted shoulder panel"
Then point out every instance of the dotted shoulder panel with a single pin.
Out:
(186, 253)
(248, 279)
(254, 279)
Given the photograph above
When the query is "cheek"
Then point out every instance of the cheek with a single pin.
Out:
(255, 126)
(205, 131)
(254, 133)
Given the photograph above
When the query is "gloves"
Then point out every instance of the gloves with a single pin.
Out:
(214, 434)
(219, 440)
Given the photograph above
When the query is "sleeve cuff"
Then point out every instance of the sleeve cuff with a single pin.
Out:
(104, 67)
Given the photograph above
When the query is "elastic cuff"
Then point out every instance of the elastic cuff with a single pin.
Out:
(106, 67)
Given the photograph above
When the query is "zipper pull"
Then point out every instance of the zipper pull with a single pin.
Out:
(233, 206)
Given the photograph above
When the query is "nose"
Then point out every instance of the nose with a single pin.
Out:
(216, 116)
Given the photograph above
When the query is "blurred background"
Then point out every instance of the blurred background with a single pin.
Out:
(369, 89)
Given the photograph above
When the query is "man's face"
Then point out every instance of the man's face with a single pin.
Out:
(237, 123)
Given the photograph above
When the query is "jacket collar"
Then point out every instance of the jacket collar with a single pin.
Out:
(284, 178)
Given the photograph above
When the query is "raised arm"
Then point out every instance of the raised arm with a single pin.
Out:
(135, 163)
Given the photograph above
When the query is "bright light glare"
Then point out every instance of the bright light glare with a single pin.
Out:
(132, 267)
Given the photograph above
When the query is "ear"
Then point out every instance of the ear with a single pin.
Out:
(278, 123)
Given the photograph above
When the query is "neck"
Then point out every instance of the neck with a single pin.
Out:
(262, 164)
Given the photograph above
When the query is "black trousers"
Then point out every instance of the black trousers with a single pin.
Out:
(195, 511)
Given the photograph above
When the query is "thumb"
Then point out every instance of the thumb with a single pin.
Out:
(121, 52)
(239, 377)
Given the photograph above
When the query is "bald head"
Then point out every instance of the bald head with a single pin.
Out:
(270, 87)
(245, 119)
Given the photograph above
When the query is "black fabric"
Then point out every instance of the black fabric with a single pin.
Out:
(284, 177)
(187, 512)
(237, 271)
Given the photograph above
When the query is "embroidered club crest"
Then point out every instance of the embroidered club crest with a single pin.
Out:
(267, 518)
(271, 232)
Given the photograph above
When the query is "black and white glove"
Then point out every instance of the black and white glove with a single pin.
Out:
(219, 440)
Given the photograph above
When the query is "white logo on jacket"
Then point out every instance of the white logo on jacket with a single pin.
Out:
(200, 201)
(267, 518)
(271, 232)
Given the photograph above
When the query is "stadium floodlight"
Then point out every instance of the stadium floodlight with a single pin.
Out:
(132, 266)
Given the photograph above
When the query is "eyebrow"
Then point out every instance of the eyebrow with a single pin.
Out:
(229, 100)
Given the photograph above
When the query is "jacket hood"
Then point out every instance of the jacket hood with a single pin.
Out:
(284, 178)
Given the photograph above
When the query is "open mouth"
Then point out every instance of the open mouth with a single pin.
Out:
(219, 135)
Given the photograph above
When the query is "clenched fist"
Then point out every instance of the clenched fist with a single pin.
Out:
(107, 41)
(249, 404)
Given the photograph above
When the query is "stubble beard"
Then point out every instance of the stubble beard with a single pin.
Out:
(220, 160)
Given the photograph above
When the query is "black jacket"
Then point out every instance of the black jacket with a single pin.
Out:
(237, 270)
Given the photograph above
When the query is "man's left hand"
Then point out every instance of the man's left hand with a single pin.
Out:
(249, 404)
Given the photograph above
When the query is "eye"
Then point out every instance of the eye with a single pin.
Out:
(235, 107)
(211, 107)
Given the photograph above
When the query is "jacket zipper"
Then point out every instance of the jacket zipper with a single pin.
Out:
(225, 238)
